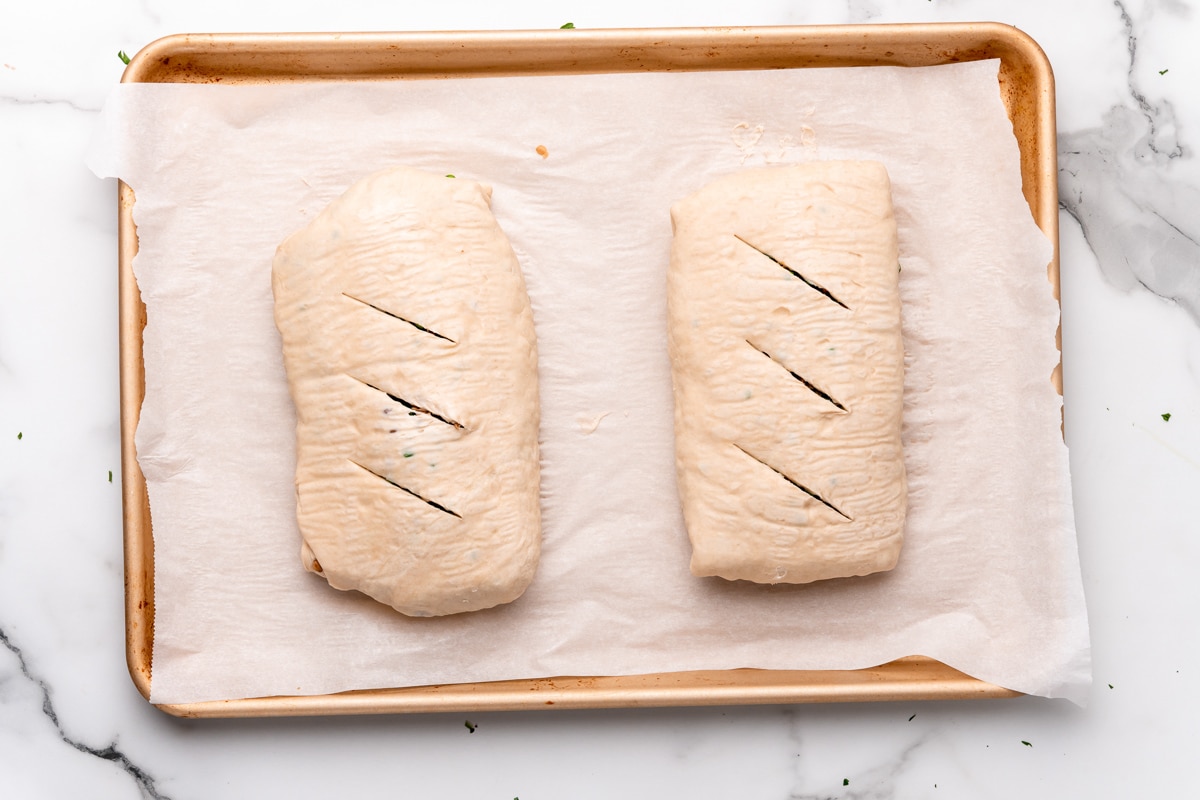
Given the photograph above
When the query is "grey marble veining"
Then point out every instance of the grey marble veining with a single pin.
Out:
(882, 769)
(1141, 221)
(11, 100)
(18, 684)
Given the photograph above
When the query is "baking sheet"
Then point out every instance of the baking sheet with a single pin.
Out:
(741, 142)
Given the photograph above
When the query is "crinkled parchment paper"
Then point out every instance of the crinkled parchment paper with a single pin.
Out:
(989, 578)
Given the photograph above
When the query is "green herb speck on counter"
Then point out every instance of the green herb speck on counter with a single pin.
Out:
(121, 55)
(845, 781)
(110, 476)
(1027, 744)
(567, 26)
(1166, 417)
(1163, 71)
(20, 436)
(471, 726)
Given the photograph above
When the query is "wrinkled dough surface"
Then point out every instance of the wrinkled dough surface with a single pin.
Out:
(410, 353)
(788, 370)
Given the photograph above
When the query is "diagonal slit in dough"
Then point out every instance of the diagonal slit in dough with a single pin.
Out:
(813, 284)
(818, 392)
(799, 486)
(438, 506)
(412, 406)
(416, 325)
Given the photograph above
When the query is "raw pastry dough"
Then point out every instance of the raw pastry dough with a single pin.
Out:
(409, 346)
(788, 368)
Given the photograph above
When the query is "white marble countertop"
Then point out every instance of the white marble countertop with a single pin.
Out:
(72, 724)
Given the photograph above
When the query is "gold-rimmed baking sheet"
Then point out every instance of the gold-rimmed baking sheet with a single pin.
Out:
(1025, 86)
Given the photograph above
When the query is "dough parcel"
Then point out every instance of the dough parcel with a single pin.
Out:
(788, 371)
(410, 352)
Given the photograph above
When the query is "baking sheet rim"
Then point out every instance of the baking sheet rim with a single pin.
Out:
(1030, 105)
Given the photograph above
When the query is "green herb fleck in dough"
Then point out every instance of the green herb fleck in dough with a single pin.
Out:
(471, 726)
(1027, 744)
(1166, 417)
(568, 26)
(121, 55)
(448, 175)
(408, 453)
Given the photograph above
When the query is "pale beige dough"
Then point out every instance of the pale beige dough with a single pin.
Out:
(788, 369)
(410, 353)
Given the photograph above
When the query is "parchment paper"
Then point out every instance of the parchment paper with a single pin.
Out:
(988, 581)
